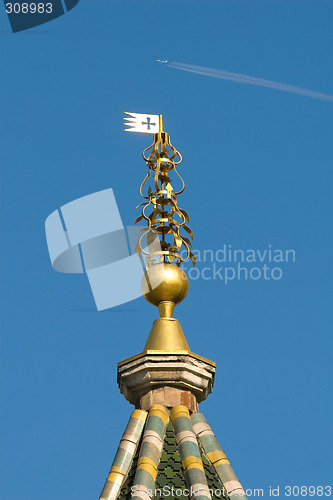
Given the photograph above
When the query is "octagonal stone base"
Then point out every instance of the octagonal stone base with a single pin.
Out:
(169, 379)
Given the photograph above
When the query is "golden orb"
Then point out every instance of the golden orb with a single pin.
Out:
(164, 282)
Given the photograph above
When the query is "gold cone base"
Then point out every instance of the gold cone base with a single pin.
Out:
(166, 335)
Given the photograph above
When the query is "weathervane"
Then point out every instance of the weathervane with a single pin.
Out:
(164, 218)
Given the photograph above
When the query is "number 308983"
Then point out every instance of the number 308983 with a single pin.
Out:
(26, 8)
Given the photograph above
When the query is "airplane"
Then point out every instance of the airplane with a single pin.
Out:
(161, 61)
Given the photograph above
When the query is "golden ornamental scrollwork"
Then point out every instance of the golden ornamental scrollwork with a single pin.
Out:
(167, 230)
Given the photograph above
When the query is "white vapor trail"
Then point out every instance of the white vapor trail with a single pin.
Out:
(251, 80)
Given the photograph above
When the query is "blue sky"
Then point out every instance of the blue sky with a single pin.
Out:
(258, 169)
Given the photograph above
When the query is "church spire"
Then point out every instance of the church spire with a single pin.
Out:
(163, 245)
(167, 442)
(168, 243)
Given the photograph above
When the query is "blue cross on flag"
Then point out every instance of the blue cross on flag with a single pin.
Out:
(139, 122)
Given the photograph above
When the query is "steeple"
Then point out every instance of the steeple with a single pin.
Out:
(166, 381)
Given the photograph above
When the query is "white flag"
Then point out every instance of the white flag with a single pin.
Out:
(139, 122)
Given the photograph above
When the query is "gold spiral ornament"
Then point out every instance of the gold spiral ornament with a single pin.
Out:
(167, 230)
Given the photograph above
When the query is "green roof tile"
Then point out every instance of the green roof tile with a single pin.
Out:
(170, 473)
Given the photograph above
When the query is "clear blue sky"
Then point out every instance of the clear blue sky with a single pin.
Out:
(258, 170)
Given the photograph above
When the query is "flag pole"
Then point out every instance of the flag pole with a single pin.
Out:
(160, 123)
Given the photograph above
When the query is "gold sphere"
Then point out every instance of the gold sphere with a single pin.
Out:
(164, 282)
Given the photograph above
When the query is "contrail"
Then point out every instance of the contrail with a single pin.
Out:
(251, 80)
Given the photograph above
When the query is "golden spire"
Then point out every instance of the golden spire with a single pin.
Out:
(164, 283)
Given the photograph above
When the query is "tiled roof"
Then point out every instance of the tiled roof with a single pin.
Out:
(164, 456)
(170, 472)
